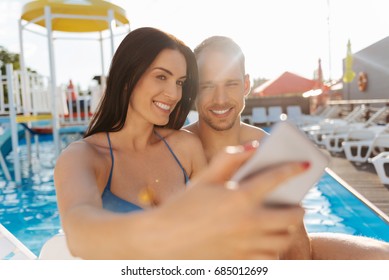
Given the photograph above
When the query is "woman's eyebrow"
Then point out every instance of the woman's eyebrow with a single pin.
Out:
(168, 71)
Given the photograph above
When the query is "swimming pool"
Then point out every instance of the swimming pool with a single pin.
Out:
(30, 212)
(331, 207)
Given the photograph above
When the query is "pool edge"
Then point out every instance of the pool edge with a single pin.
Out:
(362, 198)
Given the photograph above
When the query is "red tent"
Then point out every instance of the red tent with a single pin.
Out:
(287, 83)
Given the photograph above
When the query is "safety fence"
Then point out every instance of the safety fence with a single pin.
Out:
(26, 103)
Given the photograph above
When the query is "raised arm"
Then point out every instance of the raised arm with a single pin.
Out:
(91, 231)
(211, 220)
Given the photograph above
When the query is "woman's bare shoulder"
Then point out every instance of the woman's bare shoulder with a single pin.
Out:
(80, 152)
(79, 147)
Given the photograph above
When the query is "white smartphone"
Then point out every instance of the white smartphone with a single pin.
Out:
(286, 143)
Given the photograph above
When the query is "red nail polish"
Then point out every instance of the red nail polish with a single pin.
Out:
(306, 165)
(251, 145)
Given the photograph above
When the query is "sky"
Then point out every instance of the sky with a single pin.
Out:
(275, 35)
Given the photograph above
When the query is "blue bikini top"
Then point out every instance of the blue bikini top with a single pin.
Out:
(116, 204)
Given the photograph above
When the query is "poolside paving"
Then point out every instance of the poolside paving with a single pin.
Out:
(363, 178)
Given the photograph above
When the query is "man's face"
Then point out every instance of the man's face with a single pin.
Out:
(222, 90)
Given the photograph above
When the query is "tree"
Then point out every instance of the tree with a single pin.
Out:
(7, 57)
(257, 82)
(13, 58)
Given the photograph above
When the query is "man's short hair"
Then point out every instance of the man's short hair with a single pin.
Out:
(222, 44)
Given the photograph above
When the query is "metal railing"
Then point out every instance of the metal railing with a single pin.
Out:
(30, 102)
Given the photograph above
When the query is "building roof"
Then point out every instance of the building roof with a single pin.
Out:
(286, 83)
(375, 54)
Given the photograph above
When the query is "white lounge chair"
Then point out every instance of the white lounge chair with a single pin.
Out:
(11, 248)
(340, 129)
(334, 142)
(294, 112)
(332, 112)
(295, 115)
(329, 112)
(274, 113)
(380, 162)
(322, 110)
(259, 116)
(361, 151)
(56, 248)
(327, 125)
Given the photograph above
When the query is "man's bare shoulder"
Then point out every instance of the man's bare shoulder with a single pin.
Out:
(193, 128)
(250, 132)
(188, 148)
(186, 134)
(181, 137)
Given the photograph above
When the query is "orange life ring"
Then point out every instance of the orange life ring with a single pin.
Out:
(362, 81)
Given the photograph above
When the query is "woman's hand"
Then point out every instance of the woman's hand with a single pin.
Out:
(215, 219)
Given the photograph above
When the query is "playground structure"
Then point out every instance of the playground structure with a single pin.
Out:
(16, 122)
(34, 104)
(66, 16)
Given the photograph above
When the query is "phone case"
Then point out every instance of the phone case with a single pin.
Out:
(286, 143)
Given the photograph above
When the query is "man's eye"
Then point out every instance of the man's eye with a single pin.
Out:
(204, 87)
(180, 83)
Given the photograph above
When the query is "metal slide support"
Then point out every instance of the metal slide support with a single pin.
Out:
(2, 160)
(14, 129)
(111, 24)
(102, 77)
(53, 81)
(25, 82)
(5, 168)
(26, 91)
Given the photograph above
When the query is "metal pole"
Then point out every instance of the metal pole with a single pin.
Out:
(14, 129)
(26, 93)
(24, 76)
(2, 100)
(52, 82)
(102, 77)
(2, 160)
(329, 42)
(5, 168)
(111, 25)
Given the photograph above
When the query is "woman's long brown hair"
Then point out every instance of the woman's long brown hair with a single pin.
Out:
(132, 58)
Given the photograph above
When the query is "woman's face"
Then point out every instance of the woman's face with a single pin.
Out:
(160, 88)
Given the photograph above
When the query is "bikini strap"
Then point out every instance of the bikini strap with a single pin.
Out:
(175, 157)
(108, 186)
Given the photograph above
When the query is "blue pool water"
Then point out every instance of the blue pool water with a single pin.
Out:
(30, 212)
(330, 207)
